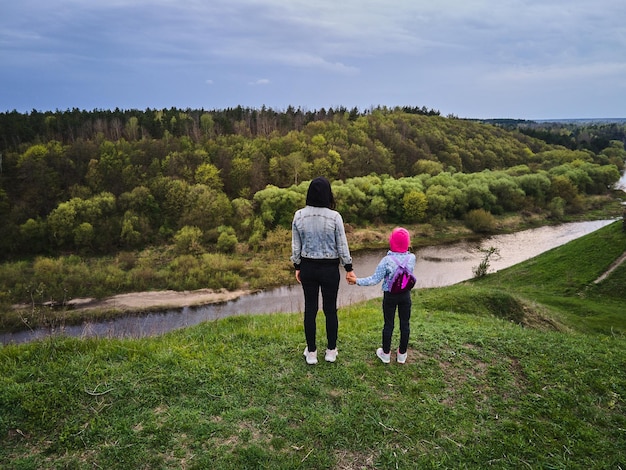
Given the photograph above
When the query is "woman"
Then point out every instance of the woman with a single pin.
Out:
(318, 246)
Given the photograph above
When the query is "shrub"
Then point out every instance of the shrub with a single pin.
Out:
(227, 242)
(188, 240)
(557, 208)
(480, 221)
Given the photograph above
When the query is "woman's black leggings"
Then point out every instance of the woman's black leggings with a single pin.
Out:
(315, 276)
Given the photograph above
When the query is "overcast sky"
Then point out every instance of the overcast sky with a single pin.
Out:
(527, 59)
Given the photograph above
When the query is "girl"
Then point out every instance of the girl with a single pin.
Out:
(399, 242)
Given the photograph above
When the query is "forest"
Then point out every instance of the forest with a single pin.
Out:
(99, 181)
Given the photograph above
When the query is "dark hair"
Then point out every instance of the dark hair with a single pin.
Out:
(320, 194)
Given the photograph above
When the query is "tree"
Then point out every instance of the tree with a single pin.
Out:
(415, 204)
(188, 240)
(84, 235)
(61, 222)
(563, 188)
(427, 166)
(132, 128)
(206, 209)
(290, 169)
(227, 240)
(209, 175)
(536, 187)
(240, 175)
(38, 182)
(33, 236)
(276, 206)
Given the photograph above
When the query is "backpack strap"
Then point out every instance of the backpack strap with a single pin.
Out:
(393, 257)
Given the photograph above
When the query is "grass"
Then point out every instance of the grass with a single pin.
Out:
(495, 379)
(562, 280)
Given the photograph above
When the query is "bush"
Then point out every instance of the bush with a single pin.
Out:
(227, 242)
(480, 221)
(188, 240)
(557, 208)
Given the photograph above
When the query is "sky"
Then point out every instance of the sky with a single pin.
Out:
(520, 59)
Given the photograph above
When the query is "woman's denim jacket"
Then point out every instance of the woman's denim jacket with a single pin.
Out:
(318, 233)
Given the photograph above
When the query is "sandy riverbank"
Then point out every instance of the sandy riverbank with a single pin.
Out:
(154, 300)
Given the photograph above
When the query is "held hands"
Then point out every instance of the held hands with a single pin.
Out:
(350, 277)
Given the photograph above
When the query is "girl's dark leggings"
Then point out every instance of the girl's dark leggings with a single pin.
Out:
(401, 302)
(316, 276)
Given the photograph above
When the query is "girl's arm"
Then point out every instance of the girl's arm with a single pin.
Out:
(379, 275)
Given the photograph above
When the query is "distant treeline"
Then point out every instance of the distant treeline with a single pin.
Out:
(103, 180)
(67, 126)
(573, 134)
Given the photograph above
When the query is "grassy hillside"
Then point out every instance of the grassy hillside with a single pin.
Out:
(562, 281)
(480, 389)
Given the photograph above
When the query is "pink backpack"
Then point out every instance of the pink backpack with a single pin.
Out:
(402, 280)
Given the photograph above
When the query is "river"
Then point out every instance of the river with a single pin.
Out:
(437, 266)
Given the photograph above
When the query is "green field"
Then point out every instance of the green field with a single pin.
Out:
(524, 368)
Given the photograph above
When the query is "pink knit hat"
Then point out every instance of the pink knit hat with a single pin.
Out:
(399, 240)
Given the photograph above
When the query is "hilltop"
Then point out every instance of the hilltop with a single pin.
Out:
(521, 368)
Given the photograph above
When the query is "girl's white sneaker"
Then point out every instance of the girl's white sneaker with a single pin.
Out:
(331, 355)
(311, 357)
(401, 358)
(386, 358)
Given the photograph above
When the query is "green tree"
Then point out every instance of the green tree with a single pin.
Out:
(206, 209)
(429, 167)
(509, 196)
(209, 175)
(61, 222)
(276, 206)
(563, 188)
(415, 204)
(175, 201)
(227, 240)
(140, 201)
(38, 182)
(136, 230)
(536, 187)
(188, 240)
(290, 169)
(33, 235)
(240, 176)
(207, 124)
(84, 235)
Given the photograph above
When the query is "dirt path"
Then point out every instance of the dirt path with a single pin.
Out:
(612, 268)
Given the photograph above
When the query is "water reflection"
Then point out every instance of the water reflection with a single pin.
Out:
(437, 266)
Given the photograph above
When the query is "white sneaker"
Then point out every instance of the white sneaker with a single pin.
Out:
(401, 358)
(331, 355)
(311, 357)
(386, 358)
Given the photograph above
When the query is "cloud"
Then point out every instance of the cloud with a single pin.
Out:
(353, 52)
(559, 72)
